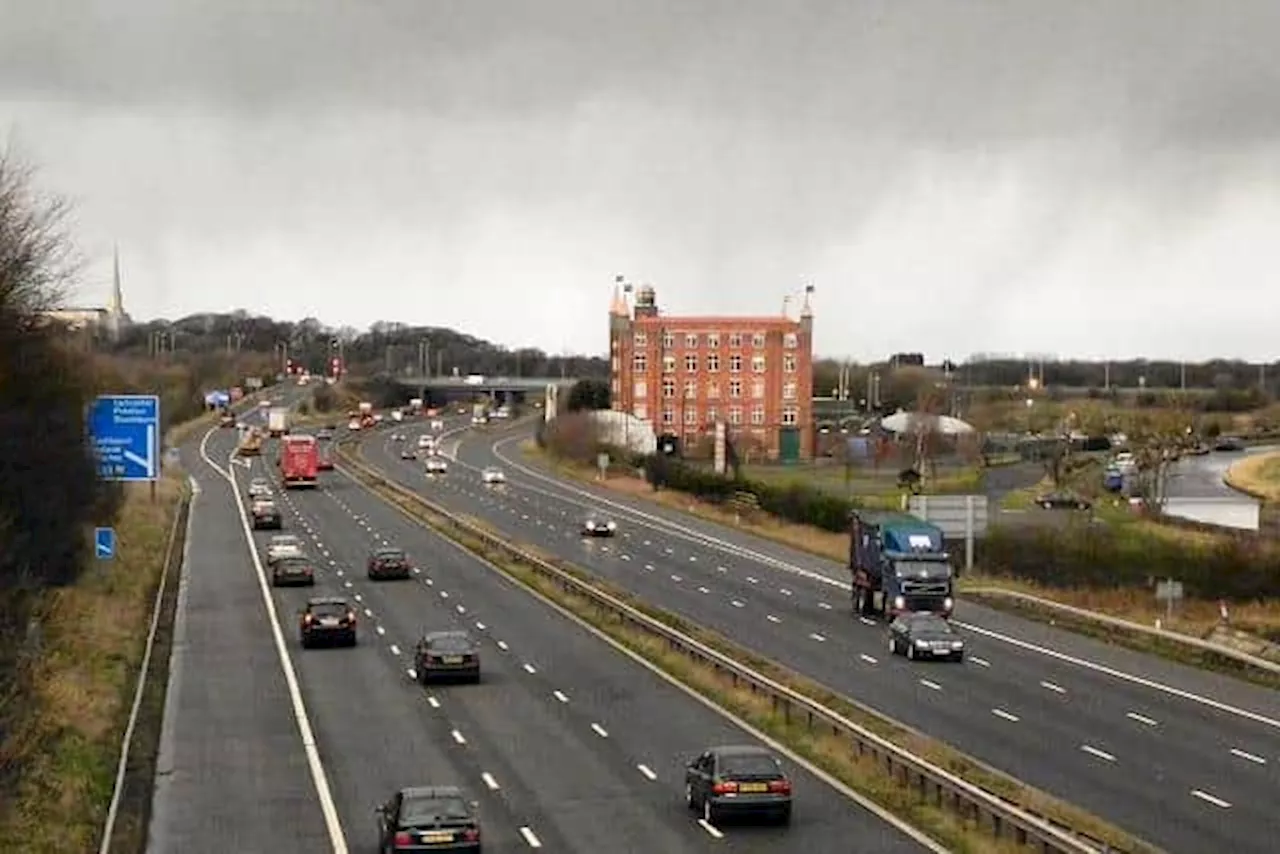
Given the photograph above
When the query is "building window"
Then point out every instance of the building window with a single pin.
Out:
(735, 414)
(735, 388)
(790, 416)
(615, 387)
(790, 341)
(789, 363)
(788, 391)
(735, 339)
(640, 389)
(668, 387)
(691, 363)
(668, 416)
(757, 364)
(617, 364)
(641, 339)
(691, 390)
(713, 390)
(668, 364)
(757, 389)
(640, 363)
(757, 415)
(641, 411)
(691, 416)
(712, 415)
(668, 340)
(613, 344)
(691, 341)
(757, 340)
(713, 363)
(713, 340)
(735, 363)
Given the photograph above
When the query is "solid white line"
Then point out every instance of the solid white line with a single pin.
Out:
(1001, 713)
(1208, 798)
(1101, 754)
(647, 772)
(1251, 757)
(530, 838)
(457, 736)
(1142, 719)
(1057, 689)
(319, 777)
(710, 828)
(599, 730)
(489, 781)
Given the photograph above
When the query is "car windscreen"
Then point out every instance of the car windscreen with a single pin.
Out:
(930, 624)
(390, 555)
(292, 563)
(416, 811)
(450, 643)
(922, 569)
(329, 609)
(747, 765)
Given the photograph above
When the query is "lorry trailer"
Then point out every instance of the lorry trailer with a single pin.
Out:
(299, 461)
(278, 421)
(899, 564)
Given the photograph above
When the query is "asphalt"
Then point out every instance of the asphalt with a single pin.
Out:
(1111, 730)
(567, 745)
(1202, 477)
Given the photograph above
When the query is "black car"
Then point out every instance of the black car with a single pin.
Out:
(388, 563)
(328, 620)
(1063, 501)
(1229, 443)
(447, 655)
(266, 516)
(293, 572)
(741, 780)
(925, 636)
(428, 818)
(599, 526)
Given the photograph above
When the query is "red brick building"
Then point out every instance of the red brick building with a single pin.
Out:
(684, 374)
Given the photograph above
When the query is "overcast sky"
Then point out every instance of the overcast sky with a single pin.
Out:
(1052, 176)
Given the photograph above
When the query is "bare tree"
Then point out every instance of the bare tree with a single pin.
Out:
(37, 260)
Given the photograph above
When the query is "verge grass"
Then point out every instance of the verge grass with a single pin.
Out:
(817, 744)
(1257, 475)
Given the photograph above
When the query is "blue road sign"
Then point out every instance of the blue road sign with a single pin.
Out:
(104, 543)
(126, 436)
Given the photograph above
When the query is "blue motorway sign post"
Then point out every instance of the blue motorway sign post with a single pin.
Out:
(125, 429)
(104, 543)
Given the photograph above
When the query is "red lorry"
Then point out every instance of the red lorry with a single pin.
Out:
(299, 461)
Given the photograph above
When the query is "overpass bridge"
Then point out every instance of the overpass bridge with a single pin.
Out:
(513, 389)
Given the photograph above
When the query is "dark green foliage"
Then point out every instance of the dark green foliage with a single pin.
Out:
(589, 394)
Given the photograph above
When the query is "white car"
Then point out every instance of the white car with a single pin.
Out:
(282, 546)
(493, 475)
(426, 443)
(437, 465)
(353, 424)
(437, 425)
(259, 488)
(598, 527)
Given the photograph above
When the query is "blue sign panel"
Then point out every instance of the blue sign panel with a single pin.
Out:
(125, 429)
(104, 543)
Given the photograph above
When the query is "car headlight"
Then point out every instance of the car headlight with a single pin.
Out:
(948, 603)
(613, 525)
(957, 644)
(922, 643)
(591, 526)
(899, 602)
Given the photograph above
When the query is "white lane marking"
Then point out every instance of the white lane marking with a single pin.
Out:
(647, 771)
(319, 777)
(649, 567)
(1208, 798)
(1049, 686)
(489, 782)
(753, 580)
(934, 686)
(1142, 719)
(824, 606)
(737, 604)
(413, 674)
(457, 736)
(395, 650)
(710, 828)
(868, 659)
(368, 612)
(1250, 757)
(625, 557)
(480, 627)
(703, 590)
(530, 838)
(560, 695)
(771, 618)
(528, 668)
(693, 559)
(1001, 713)
(433, 702)
(1101, 754)
(380, 630)
(722, 569)
(461, 610)
(867, 621)
(677, 579)
(599, 730)
(784, 591)
(444, 594)
(981, 662)
(815, 636)
(502, 645)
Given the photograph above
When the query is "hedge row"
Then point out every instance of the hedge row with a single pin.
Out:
(1238, 567)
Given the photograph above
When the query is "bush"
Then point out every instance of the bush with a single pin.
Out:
(1237, 567)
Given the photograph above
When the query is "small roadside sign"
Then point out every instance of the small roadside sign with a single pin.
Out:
(104, 543)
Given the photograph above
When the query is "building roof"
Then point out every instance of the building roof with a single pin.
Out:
(766, 320)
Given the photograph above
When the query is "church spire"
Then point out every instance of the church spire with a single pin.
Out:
(116, 305)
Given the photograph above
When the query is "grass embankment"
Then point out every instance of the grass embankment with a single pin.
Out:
(1258, 475)
(825, 749)
(873, 487)
(1194, 617)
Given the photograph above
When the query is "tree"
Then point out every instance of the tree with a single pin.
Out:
(589, 394)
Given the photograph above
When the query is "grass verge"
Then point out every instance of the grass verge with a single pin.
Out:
(1258, 476)
(819, 746)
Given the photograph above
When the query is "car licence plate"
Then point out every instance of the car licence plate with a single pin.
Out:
(753, 788)
(328, 621)
(437, 836)
(453, 659)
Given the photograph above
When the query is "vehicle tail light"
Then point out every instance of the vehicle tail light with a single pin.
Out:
(471, 834)
(403, 838)
(351, 617)
(724, 788)
(308, 619)
(780, 787)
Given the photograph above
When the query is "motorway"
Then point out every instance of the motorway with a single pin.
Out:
(567, 744)
(1202, 477)
(1182, 757)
